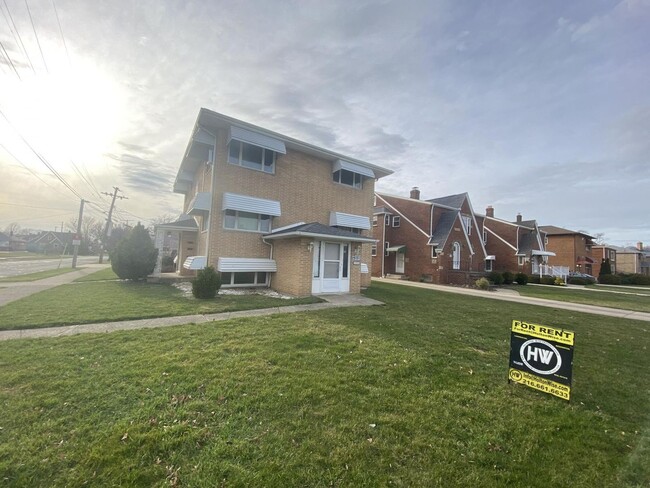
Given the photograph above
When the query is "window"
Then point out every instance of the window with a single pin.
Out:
(247, 221)
(345, 177)
(246, 278)
(396, 220)
(354, 230)
(373, 250)
(484, 236)
(488, 265)
(374, 221)
(521, 260)
(386, 220)
(386, 246)
(546, 240)
(467, 223)
(455, 256)
(252, 157)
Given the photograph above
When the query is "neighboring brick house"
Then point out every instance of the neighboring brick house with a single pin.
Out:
(571, 248)
(633, 260)
(516, 246)
(268, 210)
(601, 252)
(436, 240)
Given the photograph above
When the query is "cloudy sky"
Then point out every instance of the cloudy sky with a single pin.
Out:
(535, 107)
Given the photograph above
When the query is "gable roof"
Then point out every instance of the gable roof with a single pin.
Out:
(452, 201)
(443, 228)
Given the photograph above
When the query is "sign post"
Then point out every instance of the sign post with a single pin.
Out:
(541, 358)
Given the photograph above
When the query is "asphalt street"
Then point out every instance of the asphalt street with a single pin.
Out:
(16, 267)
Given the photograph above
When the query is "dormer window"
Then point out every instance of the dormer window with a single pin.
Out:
(346, 177)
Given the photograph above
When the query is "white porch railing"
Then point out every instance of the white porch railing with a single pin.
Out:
(546, 270)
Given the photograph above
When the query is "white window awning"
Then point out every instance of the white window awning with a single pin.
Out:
(401, 249)
(349, 220)
(355, 168)
(535, 252)
(236, 265)
(195, 262)
(256, 139)
(200, 203)
(243, 203)
(490, 257)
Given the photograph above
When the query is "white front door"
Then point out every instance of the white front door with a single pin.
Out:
(331, 267)
(399, 263)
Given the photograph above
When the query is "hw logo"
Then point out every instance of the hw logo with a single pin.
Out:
(540, 356)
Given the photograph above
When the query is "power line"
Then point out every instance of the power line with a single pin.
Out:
(17, 34)
(30, 206)
(80, 174)
(6, 54)
(56, 13)
(36, 35)
(42, 159)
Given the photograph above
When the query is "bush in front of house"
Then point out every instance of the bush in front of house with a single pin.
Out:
(508, 278)
(534, 279)
(482, 284)
(547, 280)
(134, 257)
(558, 281)
(521, 278)
(635, 279)
(495, 277)
(206, 284)
(609, 279)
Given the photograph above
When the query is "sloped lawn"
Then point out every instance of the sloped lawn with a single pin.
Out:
(412, 393)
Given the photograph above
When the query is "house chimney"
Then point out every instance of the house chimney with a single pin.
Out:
(415, 193)
(489, 211)
(519, 219)
(639, 246)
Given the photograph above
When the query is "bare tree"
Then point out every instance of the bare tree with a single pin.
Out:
(12, 228)
(599, 238)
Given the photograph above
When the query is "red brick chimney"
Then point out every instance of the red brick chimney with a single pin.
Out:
(639, 246)
(415, 193)
(519, 218)
(489, 211)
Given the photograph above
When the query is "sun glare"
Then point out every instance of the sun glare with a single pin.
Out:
(70, 115)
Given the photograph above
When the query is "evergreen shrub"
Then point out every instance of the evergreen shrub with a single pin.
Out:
(206, 284)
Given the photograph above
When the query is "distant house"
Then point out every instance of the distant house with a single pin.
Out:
(437, 240)
(516, 246)
(633, 260)
(51, 243)
(5, 242)
(600, 253)
(11, 243)
(572, 249)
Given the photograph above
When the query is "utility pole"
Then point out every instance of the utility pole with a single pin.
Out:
(78, 236)
(108, 221)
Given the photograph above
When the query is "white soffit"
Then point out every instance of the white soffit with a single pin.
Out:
(349, 220)
(243, 203)
(355, 168)
(237, 265)
(256, 139)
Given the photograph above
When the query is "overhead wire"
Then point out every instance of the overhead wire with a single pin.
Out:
(36, 35)
(6, 55)
(17, 34)
(56, 13)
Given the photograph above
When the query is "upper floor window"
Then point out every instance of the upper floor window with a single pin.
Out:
(253, 222)
(386, 220)
(345, 177)
(250, 156)
(374, 221)
(467, 223)
(396, 221)
(484, 236)
(373, 250)
(355, 230)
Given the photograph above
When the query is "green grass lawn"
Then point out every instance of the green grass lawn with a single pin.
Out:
(39, 275)
(109, 301)
(412, 393)
(587, 296)
(105, 274)
(20, 255)
(637, 289)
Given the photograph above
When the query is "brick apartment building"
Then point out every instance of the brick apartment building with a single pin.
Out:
(601, 252)
(268, 210)
(572, 249)
(436, 240)
(517, 246)
(633, 260)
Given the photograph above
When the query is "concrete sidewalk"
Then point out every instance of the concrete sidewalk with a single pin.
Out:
(331, 301)
(511, 296)
(10, 292)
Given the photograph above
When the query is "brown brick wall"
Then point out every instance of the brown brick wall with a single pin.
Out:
(294, 263)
